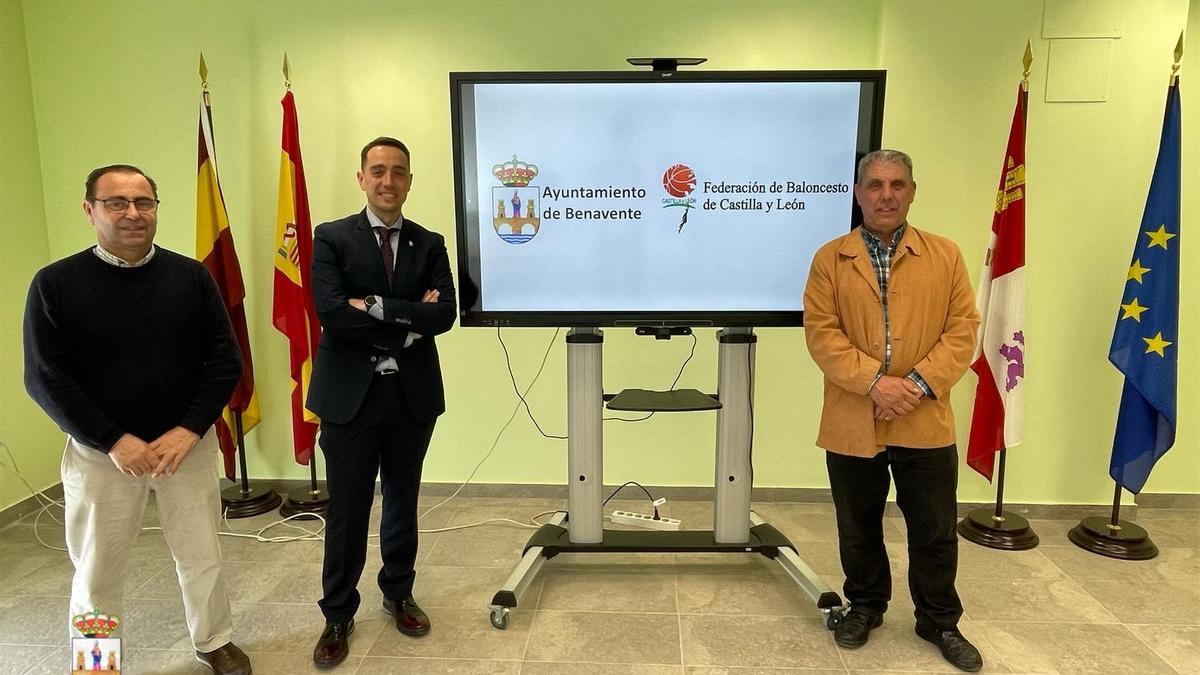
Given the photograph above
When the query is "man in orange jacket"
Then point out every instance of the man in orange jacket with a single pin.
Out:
(890, 319)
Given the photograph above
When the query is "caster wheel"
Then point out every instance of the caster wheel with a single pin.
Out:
(500, 618)
(833, 620)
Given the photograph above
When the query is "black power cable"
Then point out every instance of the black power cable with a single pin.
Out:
(517, 390)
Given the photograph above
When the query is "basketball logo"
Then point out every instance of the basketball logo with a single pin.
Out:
(679, 181)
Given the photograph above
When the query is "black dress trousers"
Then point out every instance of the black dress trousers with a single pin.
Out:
(382, 438)
(926, 492)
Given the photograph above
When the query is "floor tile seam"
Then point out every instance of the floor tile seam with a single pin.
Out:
(45, 659)
(606, 663)
(604, 611)
(814, 616)
(31, 644)
(1149, 646)
(997, 622)
(537, 602)
(678, 616)
(1093, 599)
(39, 595)
(471, 566)
(436, 658)
(1060, 567)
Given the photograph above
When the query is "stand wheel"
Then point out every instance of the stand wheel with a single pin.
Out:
(833, 619)
(500, 617)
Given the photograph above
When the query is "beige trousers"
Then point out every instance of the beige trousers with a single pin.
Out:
(104, 510)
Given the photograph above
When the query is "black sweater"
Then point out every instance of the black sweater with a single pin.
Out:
(112, 350)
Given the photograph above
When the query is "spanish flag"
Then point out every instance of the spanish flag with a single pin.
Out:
(294, 314)
(214, 246)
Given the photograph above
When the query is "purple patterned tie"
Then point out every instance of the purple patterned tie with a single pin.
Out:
(389, 258)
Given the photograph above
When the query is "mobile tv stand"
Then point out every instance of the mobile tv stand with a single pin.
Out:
(736, 529)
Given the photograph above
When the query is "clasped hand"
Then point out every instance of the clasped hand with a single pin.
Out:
(135, 457)
(895, 397)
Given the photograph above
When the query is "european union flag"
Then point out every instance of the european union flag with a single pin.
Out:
(1144, 345)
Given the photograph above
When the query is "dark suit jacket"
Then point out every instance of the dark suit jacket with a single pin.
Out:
(346, 264)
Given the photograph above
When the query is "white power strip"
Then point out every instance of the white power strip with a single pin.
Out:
(642, 520)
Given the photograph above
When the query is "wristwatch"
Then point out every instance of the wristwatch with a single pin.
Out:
(370, 301)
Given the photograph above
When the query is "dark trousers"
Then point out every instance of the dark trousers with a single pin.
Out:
(926, 483)
(383, 438)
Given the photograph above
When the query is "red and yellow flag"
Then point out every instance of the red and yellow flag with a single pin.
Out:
(214, 246)
(294, 314)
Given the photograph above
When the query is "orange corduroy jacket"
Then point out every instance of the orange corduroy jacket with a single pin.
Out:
(934, 325)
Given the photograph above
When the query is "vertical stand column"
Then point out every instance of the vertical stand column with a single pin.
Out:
(735, 374)
(585, 435)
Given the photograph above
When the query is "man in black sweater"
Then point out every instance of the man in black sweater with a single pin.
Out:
(129, 349)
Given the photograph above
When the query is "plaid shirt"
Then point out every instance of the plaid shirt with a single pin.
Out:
(881, 260)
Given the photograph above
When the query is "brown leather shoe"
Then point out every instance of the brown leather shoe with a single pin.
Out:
(410, 619)
(226, 660)
(334, 644)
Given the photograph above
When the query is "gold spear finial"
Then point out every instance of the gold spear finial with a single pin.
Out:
(1027, 61)
(203, 79)
(287, 72)
(1178, 58)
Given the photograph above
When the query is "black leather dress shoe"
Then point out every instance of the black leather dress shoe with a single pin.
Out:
(334, 645)
(855, 628)
(410, 619)
(226, 660)
(955, 648)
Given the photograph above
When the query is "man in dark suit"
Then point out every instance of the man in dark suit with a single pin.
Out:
(383, 289)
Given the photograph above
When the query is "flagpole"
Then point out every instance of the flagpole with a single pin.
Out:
(1114, 538)
(1120, 538)
(998, 529)
(244, 500)
(308, 501)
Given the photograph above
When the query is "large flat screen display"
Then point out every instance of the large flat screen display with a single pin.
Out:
(648, 198)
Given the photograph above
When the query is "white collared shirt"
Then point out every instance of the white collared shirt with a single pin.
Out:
(376, 310)
(392, 231)
(118, 262)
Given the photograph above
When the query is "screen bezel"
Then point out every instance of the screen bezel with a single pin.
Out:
(470, 312)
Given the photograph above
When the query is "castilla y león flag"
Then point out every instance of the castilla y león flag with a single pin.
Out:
(293, 313)
(1000, 352)
(214, 247)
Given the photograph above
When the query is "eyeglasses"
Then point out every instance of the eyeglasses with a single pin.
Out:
(121, 204)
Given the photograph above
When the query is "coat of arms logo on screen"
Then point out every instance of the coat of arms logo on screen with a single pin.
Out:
(516, 218)
(96, 650)
(679, 180)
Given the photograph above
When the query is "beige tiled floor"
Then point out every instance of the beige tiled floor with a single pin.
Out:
(1055, 609)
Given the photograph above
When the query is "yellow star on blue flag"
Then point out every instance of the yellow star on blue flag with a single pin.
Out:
(1144, 349)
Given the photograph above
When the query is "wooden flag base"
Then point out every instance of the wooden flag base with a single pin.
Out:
(1008, 532)
(306, 503)
(244, 500)
(997, 528)
(1124, 541)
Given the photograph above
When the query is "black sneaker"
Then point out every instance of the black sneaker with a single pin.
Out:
(955, 648)
(855, 628)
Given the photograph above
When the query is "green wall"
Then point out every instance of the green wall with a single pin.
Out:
(33, 439)
(359, 72)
